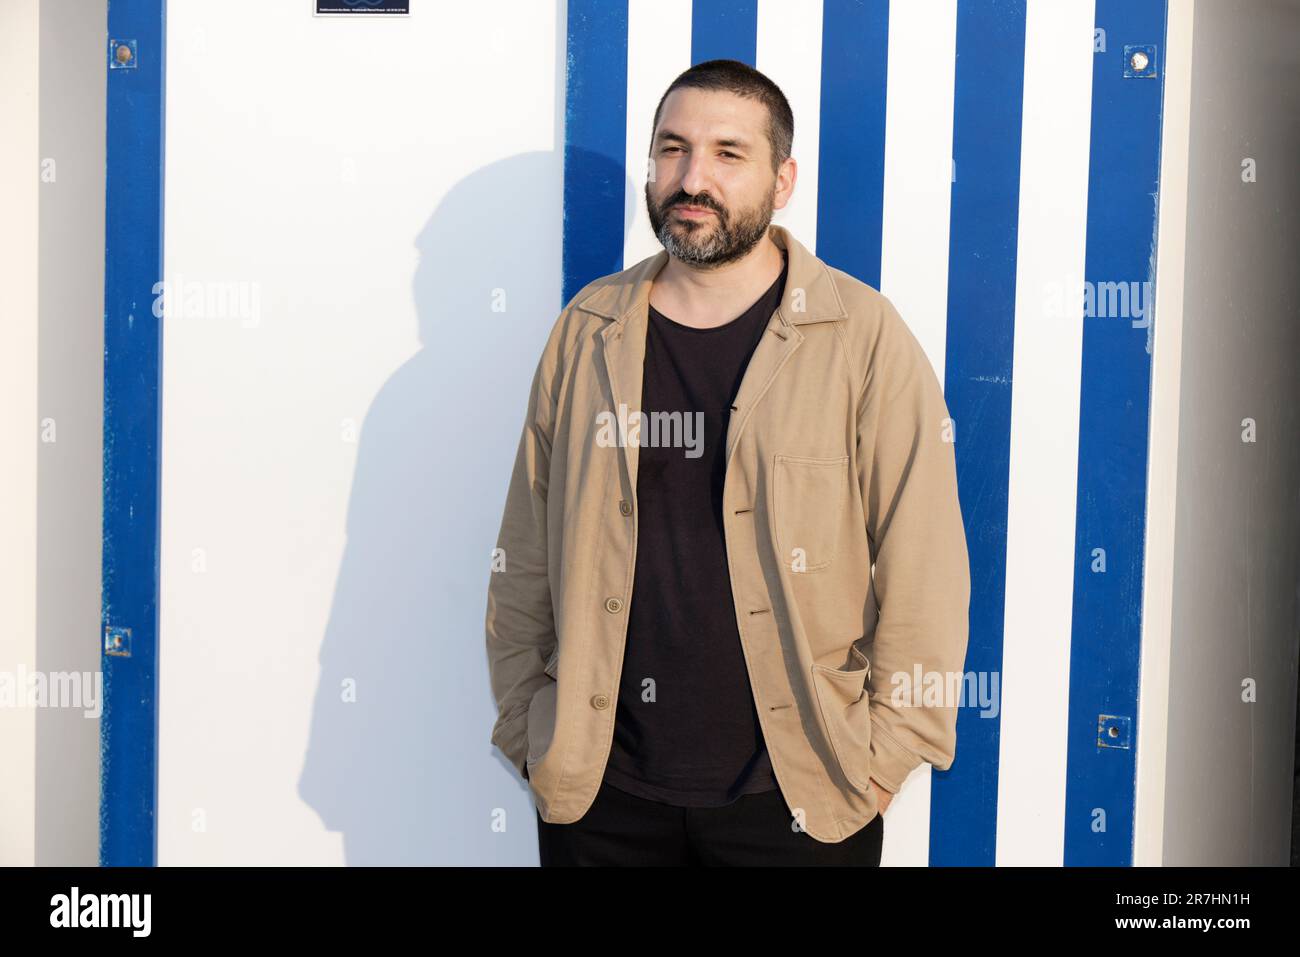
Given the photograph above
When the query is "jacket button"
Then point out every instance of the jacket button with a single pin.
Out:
(612, 605)
(625, 507)
(600, 701)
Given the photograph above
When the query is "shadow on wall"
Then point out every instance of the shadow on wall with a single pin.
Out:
(407, 771)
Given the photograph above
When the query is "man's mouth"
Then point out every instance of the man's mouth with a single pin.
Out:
(693, 212)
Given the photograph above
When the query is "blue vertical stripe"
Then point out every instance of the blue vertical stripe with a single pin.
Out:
(851, 157)
(724, 29)
(1123, 178)
(987, 110)
(132, 387)
(595, 142)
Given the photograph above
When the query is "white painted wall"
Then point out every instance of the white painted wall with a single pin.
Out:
(1223, 562)
(51, 399)
(71, 397)
(19, 335)
(335, 455)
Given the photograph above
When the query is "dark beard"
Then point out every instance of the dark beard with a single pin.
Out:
(727, 242)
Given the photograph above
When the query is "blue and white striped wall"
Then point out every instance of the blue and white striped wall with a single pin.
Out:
(977, 160)
(972, 159)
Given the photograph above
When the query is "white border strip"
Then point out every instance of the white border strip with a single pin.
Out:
(917, 219)
(658, 49)
(1162, 474)
(789, 51)
(917, 214)
(1044, 455)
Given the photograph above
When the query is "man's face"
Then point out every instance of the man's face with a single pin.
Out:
(711, 152)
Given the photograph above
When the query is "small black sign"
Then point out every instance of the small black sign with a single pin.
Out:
(330, 8)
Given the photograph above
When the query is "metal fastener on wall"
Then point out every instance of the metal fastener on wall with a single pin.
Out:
(121, 54)
(117, 641)
(1140, 60)
(1114, 731)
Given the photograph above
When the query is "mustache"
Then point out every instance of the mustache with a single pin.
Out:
(681, 199)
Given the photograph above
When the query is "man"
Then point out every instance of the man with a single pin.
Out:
(694, 659)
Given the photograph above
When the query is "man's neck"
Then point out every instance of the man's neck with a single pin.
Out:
(705, 298)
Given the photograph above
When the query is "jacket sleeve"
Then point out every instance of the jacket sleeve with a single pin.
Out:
(520, 619)
(908, 477)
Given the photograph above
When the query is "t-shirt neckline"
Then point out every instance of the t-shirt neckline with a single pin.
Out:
(731, 323)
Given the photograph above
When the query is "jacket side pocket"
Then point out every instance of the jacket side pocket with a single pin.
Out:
(844, 702)
(542, 712)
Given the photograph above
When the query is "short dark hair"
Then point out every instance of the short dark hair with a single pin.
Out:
(733, 76)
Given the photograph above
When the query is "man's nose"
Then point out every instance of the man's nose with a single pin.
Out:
(696, 178)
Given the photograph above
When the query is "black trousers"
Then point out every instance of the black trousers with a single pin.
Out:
(622, 829)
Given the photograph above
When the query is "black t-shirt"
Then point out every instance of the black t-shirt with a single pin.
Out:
(686, 729)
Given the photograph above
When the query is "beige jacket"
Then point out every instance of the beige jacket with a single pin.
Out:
(839, 455)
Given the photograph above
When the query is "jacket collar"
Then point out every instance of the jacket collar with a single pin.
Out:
(623, 292)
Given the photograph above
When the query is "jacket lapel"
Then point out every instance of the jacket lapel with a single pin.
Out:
(777, 345)
(624, 355)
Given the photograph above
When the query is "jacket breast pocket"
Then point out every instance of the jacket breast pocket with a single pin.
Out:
(808, 508)
(845, 704)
